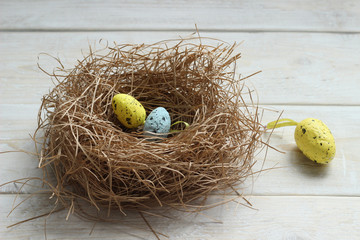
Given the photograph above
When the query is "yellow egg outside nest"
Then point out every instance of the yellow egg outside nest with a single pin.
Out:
(315, 140)
(129, 111)
(312, 137)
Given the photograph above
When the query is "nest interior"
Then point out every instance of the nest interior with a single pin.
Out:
(97, 160)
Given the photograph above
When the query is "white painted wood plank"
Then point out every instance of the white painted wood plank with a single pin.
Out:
(275, 218)
(298, 68)
(294, 175)
(233, 15)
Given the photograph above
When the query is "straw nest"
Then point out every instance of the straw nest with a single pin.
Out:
(96, 159)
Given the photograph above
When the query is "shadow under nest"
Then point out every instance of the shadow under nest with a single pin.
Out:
(97, 160)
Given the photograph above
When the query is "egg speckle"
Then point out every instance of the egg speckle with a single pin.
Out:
(315, 140)
(158, 121)
(128, 110)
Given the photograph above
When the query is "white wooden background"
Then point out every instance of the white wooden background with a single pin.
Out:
(309, 52)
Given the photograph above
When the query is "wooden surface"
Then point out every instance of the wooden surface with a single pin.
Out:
(309, 54)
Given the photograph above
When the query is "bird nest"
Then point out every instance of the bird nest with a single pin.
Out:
(94, 158)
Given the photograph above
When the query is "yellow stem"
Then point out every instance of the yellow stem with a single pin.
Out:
(178, 122)
(281, 123)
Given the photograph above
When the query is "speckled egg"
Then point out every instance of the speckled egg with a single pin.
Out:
(158, 121)
(315, 140)
(128, 110)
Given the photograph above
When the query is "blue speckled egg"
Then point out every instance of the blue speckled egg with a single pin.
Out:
(158, 121)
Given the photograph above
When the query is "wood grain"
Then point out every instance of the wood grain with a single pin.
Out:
(231, 15)
(300, 217)
(309, 54)
(298, 68)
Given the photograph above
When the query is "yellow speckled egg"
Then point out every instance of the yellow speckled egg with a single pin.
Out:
(315, 140)
(128, 110)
